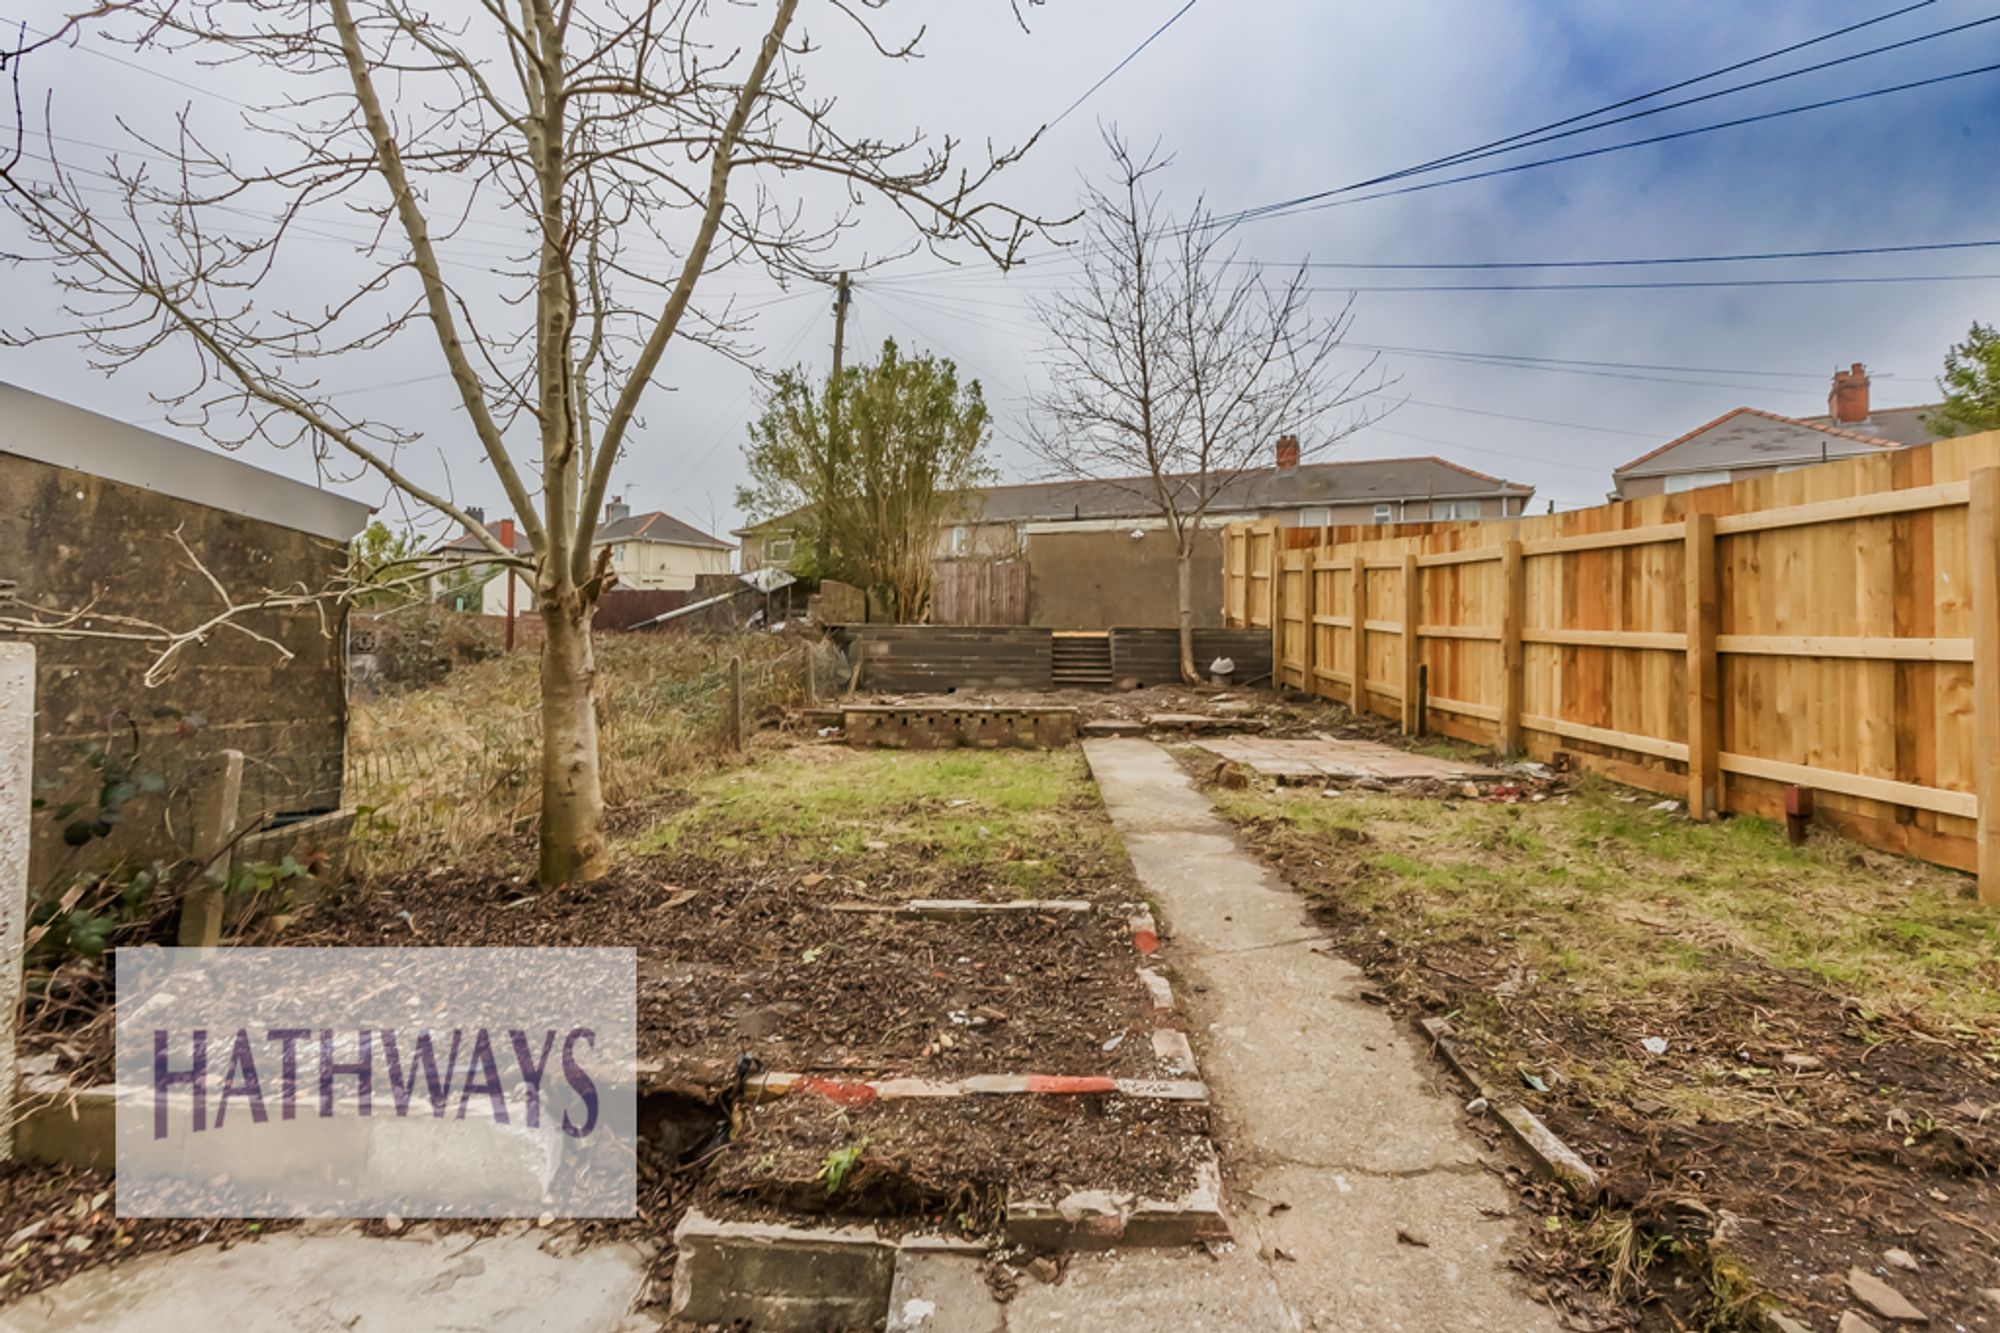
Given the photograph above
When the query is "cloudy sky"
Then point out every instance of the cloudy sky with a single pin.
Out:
(1266, 100)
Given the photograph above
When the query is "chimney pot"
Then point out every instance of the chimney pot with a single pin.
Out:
(1288, 452)
(1847, 404)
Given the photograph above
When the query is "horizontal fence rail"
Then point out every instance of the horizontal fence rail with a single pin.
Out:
(1835, 628)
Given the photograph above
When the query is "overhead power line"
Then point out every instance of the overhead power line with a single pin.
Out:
(1840, 252)
(1290, 208)
(1844, 252)
(1675, 106)
(1091, 91)
(1469, 354)
(1450, 158)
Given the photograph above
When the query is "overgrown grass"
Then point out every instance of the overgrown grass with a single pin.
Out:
(449, 767)
(1604, 905)
(1028, 818)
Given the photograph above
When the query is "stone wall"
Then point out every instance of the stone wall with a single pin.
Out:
(73, 540)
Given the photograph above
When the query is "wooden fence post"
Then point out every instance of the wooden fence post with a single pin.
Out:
(1704, 690)
(218, 810)
(736, 703)
(1513, 666)
(1308, 676)
(1357, 689)
(1413, 605)
(1275, 571)
(1983, 545)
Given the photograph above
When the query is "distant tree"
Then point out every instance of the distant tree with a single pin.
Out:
(379, 562)
(1971, 385)
(1174, 366)
(875, 465)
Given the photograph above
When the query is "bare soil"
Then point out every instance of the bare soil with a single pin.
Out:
(1788, 1130)
(951, 1166)
(736, 963)
(744, 962)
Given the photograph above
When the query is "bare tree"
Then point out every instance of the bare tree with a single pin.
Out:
(622, 150)
(1173, 364)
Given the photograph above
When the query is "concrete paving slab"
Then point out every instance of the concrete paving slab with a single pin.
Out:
(942, 1292)
(1334, 1081)
(1182, 1290)
(327, 1280)
(1342, 759)
(1346, 1268)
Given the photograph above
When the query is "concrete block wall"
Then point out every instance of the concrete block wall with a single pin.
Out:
(929, 728)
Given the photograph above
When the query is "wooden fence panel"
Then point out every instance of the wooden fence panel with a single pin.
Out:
(979, 592)
(1823, 627)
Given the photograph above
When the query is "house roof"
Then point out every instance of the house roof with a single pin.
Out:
(653, 527)
(60, 434)
(1310, 484)
(1748, 437)
(657, 527)
(1898, 425)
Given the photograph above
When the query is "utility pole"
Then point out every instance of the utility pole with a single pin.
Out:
(843, 293)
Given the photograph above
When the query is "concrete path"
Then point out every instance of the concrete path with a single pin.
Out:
(521, 1281)
(1332, 1134)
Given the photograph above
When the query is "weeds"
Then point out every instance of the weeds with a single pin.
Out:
(839, 1165)
(457, 764)
(1615, 900)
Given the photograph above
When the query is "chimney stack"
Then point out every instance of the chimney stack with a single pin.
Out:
(1288, 452)
(617, 509)
(1848, 403)
(476, 514)
(505, 533)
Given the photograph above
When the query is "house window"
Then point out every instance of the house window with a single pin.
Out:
(1383, 513)
(778, 549)
(1453, 510)
(961, 539)
(1321, 517)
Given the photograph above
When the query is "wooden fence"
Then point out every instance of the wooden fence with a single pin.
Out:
(979, 592)
(1835, 628)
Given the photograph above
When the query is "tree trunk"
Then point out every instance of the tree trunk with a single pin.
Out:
(572, 795)
(1184, 570)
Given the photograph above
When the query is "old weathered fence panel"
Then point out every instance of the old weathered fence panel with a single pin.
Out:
(1835, 627)
(979, 592)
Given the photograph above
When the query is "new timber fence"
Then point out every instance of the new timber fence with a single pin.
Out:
(1835, 628)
